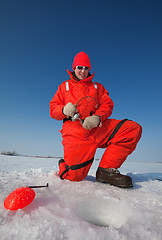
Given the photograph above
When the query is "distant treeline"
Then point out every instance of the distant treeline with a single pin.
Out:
(13, 153)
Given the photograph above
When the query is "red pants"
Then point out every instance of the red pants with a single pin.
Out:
(80, 145)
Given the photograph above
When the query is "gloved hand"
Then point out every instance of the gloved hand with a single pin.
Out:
(91, 122)
(69, 109)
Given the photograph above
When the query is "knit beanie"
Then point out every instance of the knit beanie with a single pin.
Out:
(81, 59)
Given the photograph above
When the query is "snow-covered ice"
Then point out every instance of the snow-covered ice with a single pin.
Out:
(85, 210)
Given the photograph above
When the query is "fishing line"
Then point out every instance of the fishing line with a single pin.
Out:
(76, 116)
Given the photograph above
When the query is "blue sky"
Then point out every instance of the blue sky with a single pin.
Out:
(38, 42)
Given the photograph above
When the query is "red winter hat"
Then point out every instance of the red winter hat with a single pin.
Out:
(81, 59)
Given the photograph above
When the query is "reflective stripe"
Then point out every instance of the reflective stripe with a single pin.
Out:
(95, 85)
(67, 86)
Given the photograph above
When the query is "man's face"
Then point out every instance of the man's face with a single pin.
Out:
(81, 73)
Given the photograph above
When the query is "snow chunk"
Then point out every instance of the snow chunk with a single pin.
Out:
(104, 212)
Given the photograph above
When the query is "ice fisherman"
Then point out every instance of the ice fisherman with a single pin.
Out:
(85, 108)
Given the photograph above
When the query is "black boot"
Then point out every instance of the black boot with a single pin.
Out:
(113, 177)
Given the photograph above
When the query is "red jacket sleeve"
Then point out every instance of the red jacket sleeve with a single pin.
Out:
(105, 103)
(57, 104)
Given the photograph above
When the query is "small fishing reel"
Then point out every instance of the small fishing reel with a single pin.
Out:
(75, 117)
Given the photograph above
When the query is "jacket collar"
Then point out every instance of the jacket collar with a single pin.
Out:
(73, 77)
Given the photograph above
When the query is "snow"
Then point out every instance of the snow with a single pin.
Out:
(85, 210)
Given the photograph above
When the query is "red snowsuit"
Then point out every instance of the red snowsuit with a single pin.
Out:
(81, 144)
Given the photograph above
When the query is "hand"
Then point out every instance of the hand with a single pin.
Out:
(69, 109)
(91, 122)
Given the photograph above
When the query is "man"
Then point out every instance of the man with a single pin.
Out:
(85, 108)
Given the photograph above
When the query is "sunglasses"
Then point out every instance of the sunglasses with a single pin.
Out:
(81, 67)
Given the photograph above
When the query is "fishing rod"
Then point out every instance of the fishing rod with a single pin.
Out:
(39, 186)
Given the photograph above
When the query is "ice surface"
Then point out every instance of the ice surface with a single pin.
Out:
(85, 210)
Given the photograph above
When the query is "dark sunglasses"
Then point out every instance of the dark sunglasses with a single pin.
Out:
(81, 67)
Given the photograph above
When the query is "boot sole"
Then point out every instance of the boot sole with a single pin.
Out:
(120, 186)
